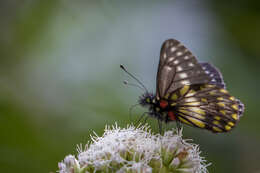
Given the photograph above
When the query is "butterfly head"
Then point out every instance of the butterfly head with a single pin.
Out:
(147, 99)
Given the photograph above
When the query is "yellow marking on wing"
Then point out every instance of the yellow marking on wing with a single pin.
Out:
(209, 86)
(212, 92)
(148, 100)
(216, 129)
(184, 121)
(184, 89)
(192, 104)
(190, 93)
(221, 104)
(174, 96)
(217, 117)
(198, 110)
(184, 111)
(216, 122)
(231, 123)
(187, 112)
(220, 98)
(234, 116)
(204, 100)
(173, 104)
(227, 127)
(197, 122)
(167, 96)
(223, 112)
(223, 91)
(198, 116)
(235, 107)
(192, 101)
(232, 98)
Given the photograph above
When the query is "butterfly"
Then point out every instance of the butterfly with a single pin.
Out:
(190, 92)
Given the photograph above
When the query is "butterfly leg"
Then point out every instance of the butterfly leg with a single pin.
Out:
(160, 126)
(142, 116)
(131, 109)
(145, 120)
(178, 124)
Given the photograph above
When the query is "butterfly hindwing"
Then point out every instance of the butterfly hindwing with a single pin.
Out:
(177, 67)
(207, 106)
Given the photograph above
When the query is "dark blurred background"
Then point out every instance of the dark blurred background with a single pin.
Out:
(60, 77)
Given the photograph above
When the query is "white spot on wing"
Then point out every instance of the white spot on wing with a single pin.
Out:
(191, 64)
(171, 59)
(183, 75)
(179, 68)
(191, 99)
(176, 62)
(179, 53)
(164, 55)
(186, 57)
(184, 82)
(173, 49)
(168, 68)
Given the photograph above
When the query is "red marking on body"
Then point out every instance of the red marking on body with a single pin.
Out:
(171, 116)
(163, 104)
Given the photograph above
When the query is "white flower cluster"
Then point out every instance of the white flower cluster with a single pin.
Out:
(136, 149)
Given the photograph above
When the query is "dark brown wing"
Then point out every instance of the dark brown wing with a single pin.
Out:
(208, 107)
(214, 74)
(177, 67)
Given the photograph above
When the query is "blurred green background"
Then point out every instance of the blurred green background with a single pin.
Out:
(60, 76)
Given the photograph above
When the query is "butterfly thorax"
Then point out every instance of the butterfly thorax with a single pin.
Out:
(158, 108)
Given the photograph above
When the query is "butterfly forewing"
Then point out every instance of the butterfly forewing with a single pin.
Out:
(177, 67)
(214, 74)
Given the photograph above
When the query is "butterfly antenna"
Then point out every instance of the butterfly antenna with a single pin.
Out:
(123, 68)
(142, 116)
(132, 84)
